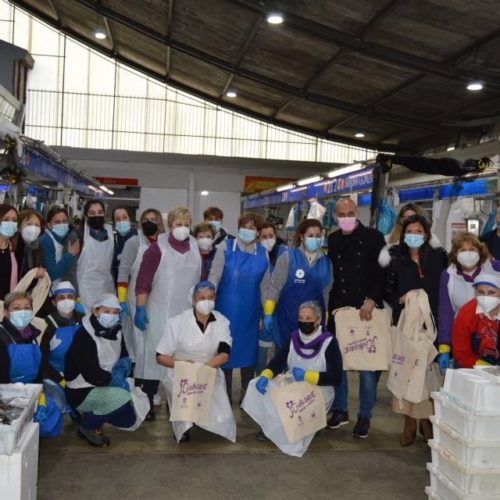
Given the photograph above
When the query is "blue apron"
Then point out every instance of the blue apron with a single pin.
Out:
(61, 341)
(25, 360)
(238, 298)
(304, 283)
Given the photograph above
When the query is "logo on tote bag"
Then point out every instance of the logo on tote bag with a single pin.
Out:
(301, 405)
(368, 343)
(190, 389)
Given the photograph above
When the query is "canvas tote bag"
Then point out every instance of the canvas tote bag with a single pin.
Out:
(192, 390)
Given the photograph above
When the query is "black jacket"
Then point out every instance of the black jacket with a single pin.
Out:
(356, 271)
(492, 241)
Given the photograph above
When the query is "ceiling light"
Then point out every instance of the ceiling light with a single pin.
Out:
(345, 170)
(275, 18)
(309, 180)
(359, 135)
(231, 93)
(285, 187)
(107, 190)
(475, 86)
(204, 193)
(99, 34)
(450, 148)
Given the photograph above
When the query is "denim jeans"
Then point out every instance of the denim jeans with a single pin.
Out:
(367, 394)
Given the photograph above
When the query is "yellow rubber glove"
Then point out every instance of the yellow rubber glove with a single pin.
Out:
(444, 348)
(41, 399)
(121, 292)
(482, 362)
(62, 383)
(267, 373)
(269, 307)
(312, 377)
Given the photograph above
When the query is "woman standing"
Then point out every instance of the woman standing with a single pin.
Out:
(9, 274)
(123, 232)
(94, 265)
(60, 247)
(406, 211)
(414, 265)
(468, 258)
(304, 273)
(169, 269)
(28, 251)
(238, 269)
(205, 234)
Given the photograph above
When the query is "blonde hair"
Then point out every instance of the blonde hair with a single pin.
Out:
(178, 213)
(460, 239)
(13, 296)
(395, 235)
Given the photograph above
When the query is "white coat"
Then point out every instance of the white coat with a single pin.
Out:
(184, 340)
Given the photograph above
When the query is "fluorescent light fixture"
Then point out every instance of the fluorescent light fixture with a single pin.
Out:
(204, 193)
(345, 170)
(275, 18)
(299, 189)
(450, 148)
(231, 93)
(475, 86)
(309, 180)
(99, 34)
(359, 135)
(285, 187)
(107, 190)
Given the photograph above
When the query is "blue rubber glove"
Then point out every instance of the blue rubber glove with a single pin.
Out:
(123, 366)
(124, 308)
(443, 361)
(268, 323)
(141, 318)
(118, 380)
(79, 308)
(261, 384)
(298, 374)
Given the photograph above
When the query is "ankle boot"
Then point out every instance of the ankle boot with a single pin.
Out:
(425, 429)
(409, 432)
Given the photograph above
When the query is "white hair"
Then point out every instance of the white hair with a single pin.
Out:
(314, 305)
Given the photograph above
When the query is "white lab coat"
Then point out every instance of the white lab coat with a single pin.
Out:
(184, 340)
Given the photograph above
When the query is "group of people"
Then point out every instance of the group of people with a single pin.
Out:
(129, 302)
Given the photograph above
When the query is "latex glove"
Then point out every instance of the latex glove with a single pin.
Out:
(141, 318)
(443, 361)
(79, 308)
(298, 374)
(123, 366)
(118, 380)
(268, 323)
(310, 376)
(124, 309)
(261, 384)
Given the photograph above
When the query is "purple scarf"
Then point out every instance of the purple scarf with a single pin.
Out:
(314, 346)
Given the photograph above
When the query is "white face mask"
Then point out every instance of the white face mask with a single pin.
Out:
(65, 306)
(205, 244)
(205, 306)
(180, 233)
(30, 233)
(468, 258)
(487, 302)
(268, 244)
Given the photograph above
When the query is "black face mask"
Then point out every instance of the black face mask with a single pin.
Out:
(149, 228)
(96, 222)
(307, 327)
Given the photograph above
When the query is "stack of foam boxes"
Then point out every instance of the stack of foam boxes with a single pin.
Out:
(466, 445)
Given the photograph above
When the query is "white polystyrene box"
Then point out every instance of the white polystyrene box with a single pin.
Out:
(470, 480)
(442, 488)
(11, 435)
(478, 454)
(471, 425)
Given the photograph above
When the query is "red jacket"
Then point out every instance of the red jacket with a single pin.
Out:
(469, 328)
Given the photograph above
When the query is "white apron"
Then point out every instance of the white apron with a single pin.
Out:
(131, 334)
(93, 272)
(59, 253)
(174, 278)
(193, 345)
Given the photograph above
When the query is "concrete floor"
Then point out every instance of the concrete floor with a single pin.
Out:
(148, 464)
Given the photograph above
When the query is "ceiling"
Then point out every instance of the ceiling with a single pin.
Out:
(394, 69)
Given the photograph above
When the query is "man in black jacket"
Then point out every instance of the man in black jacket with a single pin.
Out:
(357, 282)
(492, 238)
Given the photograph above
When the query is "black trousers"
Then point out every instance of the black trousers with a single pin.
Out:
(247, 374)
(149, 387)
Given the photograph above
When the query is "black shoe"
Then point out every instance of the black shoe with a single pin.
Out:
(261, 437)
(362, 428)
(338, 419)
(150, 417)
(94, 438)
(186, 437)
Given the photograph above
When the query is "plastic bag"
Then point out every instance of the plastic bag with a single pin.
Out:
(387, 217)
(141, 405)
(490, 222)
(317, 211)
(49, 416)
(290, 221)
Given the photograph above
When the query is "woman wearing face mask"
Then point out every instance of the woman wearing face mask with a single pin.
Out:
(468, 258)
(205, 234)
(238, 269)
(61, 327)
(200, 335)
(415, 264)
(274, 245)
(94, 274)
(123, 232)
(20, 356)
(28, 251)
(476, 329)
(9, 272)
(96, 370)
(303, 273)
(151, 225)
(312, 355)
(60, 247)
(169, 269)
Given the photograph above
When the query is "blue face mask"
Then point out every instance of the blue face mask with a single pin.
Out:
(414, 240)
(21, 319)
(313, 244)
(247, 235)
(123, 227)
(108, 320)
(60, 230)
(8, 228)
(216, 224)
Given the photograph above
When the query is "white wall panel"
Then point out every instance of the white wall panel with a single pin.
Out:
(163, 200)
(229, 203)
